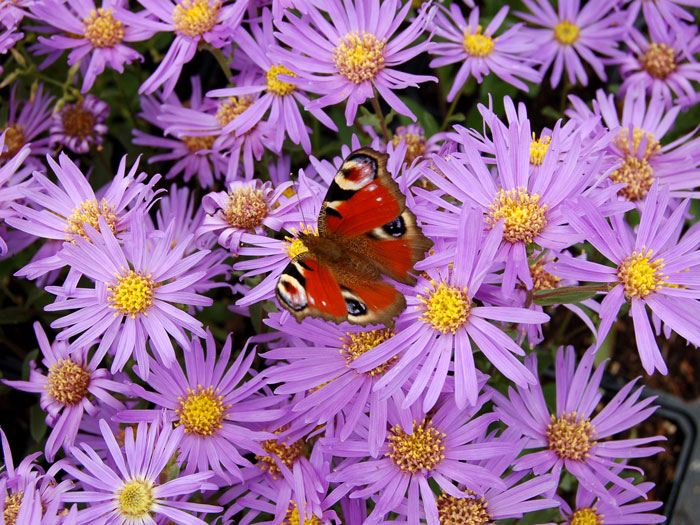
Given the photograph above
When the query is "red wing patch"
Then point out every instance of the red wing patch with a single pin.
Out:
(395, 256)
(322, 290)
(369, 208)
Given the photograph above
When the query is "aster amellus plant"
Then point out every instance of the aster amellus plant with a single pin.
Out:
(359, 262)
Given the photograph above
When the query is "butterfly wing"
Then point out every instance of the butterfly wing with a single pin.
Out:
(363, 200)
(309, 288)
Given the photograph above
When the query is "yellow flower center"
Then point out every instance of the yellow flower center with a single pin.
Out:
(357, 344)
(476, 44)
(359, 57)
(67, 382)
(246, 208)
(193, 18)
(587, 516)
(288, 454)
(88, 212)
(294, 245)
(637, 174)
(135, 499)
(77, 121)
(463, 511)
(133, 293)
(541, 278)
(415, 145)
(423, 449)
(566, 33)
(14, 140)
(276, 86)
(659, 60)
(538, 149)
(202, 412)
(445, 308)
(101, 29)
(13, 502)
(570, 437)
(233, 107)
(292, 517)
(622, 141)
(639, 275)
(195, 144)
(524, 218)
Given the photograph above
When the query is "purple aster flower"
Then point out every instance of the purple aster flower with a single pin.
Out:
(13, 12)
(438, 447)
(134, 296)
(192, 22)
(24, 125)
(442, 322)
(194, 155)
(81, 125)
(12, 186)
(129, 489)
(281, 99)
(664, 65)
(209, 400)
(573, 35)
(353, 52)
(660, 12)
(572, 437)
(247, 207)
(653, 268)
(620, 511)
(61, 211)
(94, 32)
(8, 38)
(68, 390)
(408, 143)
(507, 55)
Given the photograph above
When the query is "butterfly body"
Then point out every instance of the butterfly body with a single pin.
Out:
(364, 231)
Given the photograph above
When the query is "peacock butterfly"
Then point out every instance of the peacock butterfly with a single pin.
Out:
(364, 231)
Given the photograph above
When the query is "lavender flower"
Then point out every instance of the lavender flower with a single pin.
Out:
(12, 186)
(660, 12)
(572, 33)
(129, 488)
(353, 53)
(94, 32)
(133, 299)
(572, 437)
(481, 53)
(80, 126)
(653, 268)
(68, 390)
(24, 125)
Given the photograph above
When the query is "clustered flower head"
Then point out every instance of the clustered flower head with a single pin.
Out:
(173, 386)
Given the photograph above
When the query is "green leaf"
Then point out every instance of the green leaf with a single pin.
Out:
(565, 295)
(37, 423)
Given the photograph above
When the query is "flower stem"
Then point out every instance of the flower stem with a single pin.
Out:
(453, 106)
(221, 59)
(380, 115)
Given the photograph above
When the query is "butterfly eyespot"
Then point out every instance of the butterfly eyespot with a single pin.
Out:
(395, 228)
(355, 307)
(292, 293)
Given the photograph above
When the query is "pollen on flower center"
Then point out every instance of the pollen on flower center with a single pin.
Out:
(68, 382)
(538, 149)
(622, 141)
(588, 516)
(88, 212)
(524, 217)
(294, 245)
(276, 86)
(359, 57)
(637, 174)
(659, 60)
(195, 144)
(566, 33)
(423, 449)
(639, 275)
(357, 344)
(78, 121)
(415, 144)
(541, 278)
(101, 29)
(570, 437)
(288, 454)
(445, 308)
(13, 502)
(463, 511)
(231, 108)
(133, 293)
(246, 208)
(202, 411)
(14, 140)
(135, 499)
(193, 18)
(292, 517)
(477, 44)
